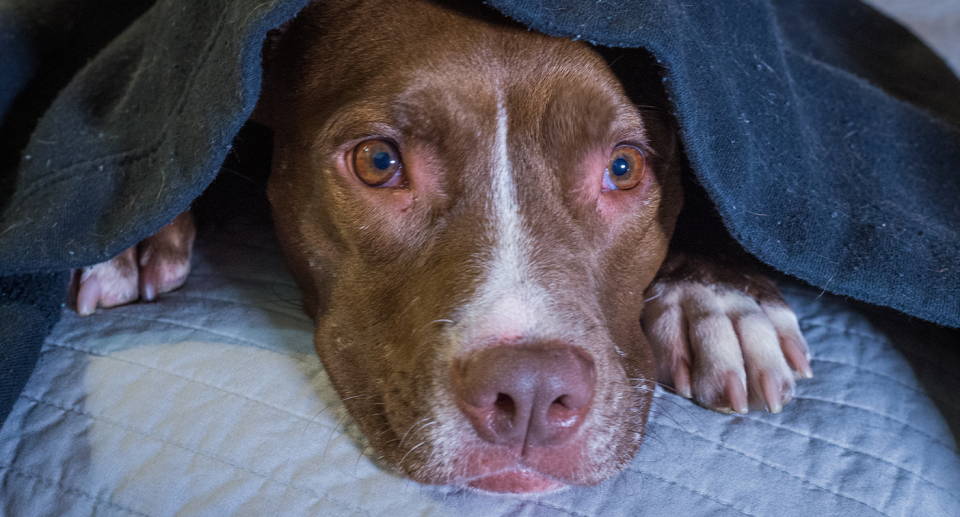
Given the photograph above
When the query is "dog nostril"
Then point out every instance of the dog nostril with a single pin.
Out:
(536, 395)
(502, 418)
(504, 404)
(562, 414)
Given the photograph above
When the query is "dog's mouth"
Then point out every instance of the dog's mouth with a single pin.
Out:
(516, 480)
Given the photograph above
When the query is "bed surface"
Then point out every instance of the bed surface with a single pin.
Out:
(212, 402)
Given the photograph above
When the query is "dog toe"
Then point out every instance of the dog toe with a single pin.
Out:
(107, 284)
(770, 379)
(792, 343)
(663, 321)
(161, 270)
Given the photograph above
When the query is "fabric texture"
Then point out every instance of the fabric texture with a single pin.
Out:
(213, 402)
(29, 307)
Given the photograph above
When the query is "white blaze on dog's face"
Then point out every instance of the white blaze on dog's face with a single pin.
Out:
(473, 212)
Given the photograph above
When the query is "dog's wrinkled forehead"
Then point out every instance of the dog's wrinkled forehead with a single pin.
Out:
(562, 92)
(545, 111)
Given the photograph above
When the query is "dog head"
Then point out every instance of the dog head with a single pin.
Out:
(473, 212)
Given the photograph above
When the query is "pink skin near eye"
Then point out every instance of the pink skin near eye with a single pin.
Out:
(607, 182)
(415, 184)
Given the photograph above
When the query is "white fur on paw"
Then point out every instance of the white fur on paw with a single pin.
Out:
(724, 348)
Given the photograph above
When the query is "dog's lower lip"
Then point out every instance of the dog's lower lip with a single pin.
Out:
(516, 481)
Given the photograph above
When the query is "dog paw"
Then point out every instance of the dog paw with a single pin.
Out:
(158, 264)
(728, 345)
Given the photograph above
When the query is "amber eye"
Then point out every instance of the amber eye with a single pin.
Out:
(377, 162)
(625, 168)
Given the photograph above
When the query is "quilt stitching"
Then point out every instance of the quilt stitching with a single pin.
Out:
(904, 423)
(567, 511)
(812, 437)
(215, 333)
(951, 403)
(189, 449)
(805, 324)
(267, 306)
(756, 420)
(188, 379)
(689, 489)
(774, 467)
(97, 501)
(894, 380)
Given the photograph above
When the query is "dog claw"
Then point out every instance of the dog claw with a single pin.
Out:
(87, 298)
(149, 283)
(798, 360)
(736, 394)
(148, 292)
(107, 284)
(161, 274)
(771, 393)
(681, 380)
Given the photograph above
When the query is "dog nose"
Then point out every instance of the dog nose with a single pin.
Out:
(534, 395)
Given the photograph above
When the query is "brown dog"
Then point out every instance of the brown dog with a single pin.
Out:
(476, 214)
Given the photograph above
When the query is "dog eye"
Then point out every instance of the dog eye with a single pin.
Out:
(377, 163)
(625, 168)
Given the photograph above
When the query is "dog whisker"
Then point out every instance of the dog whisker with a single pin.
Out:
(434, 322)
(651, 108)
(356, 464)
(400, 463)
(333, 433)
(239, 175)
(404, 437)
(312, 420)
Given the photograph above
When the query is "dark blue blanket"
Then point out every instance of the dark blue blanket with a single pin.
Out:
(825, 134)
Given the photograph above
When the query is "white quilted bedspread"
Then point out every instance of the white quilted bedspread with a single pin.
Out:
(212, 402)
